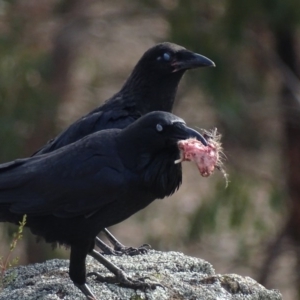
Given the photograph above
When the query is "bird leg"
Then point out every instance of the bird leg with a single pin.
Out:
(77, 268)
(119, 248)
(120, 276)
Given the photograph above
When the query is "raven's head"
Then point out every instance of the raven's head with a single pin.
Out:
(163, 129)
(167, 58)
(153, 82)
(156, 132)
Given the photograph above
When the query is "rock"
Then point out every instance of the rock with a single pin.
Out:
(183, 277)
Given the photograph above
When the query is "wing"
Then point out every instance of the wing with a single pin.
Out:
(78, 179)
(105, 117)
(9, 176)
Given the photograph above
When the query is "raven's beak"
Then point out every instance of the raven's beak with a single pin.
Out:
(186, 59)
(183, 132)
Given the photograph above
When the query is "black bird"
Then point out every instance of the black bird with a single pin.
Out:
(151, 86)
(71, 194)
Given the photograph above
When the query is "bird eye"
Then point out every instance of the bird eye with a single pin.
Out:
(159, 128)
(167, 56)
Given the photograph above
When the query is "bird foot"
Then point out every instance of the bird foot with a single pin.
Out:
(131, 251)
(126, 281)
(119, 249)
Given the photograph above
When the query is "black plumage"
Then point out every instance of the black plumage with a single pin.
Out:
(71, 194)
(151, 86)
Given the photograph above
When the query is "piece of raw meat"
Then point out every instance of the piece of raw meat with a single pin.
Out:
(207, 158)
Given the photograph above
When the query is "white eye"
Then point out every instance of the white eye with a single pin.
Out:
(167, 56)
(159, 128)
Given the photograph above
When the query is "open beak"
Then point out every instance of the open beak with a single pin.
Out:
(186, 59)
(183, 132)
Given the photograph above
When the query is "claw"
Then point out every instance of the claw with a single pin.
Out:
(86, 290)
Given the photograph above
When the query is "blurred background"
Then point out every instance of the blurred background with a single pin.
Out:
(61, 59)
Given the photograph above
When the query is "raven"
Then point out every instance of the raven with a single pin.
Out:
(71, 194)
(151, 86)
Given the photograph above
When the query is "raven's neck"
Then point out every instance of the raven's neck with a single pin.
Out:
(150, 91)
(161, 175)
(156, 169)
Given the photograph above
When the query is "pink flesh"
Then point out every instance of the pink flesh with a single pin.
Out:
(205, 157)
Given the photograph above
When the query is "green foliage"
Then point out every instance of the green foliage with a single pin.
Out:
(235, 209)
(6, 263)
(226, 208)
(275, 199)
